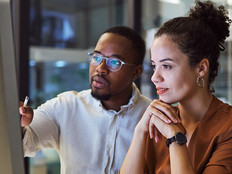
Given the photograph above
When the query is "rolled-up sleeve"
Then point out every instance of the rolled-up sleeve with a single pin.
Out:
(43, 132)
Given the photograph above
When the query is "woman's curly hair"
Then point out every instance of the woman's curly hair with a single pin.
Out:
(201, 34)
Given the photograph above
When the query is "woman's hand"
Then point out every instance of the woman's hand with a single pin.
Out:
(160, 119)
(164, 120)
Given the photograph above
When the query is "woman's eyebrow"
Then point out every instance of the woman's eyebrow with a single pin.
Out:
(163, 60)
(166, 59)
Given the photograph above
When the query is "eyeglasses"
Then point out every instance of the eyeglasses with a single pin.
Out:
(113, 64)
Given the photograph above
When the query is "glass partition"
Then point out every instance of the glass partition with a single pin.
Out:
(63, 32)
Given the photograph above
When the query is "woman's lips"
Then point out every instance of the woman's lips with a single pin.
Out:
(161, 90)
(99, 82)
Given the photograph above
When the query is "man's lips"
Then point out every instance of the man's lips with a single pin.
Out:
(99, 82)
(161, 90)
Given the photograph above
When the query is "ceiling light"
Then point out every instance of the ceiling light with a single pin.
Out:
(229, 2)
(171, 1)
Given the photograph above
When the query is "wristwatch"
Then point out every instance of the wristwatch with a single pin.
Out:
(179, 138)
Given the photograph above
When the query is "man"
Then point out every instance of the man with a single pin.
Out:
(92, 129)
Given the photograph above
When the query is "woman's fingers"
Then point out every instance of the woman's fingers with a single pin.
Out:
(158, 135)
(159, 128)
(162, 111)
(153, 131)
(161, 115)
(165, 110)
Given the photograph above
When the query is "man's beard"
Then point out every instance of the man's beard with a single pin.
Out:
(96, 95)
(100, 97)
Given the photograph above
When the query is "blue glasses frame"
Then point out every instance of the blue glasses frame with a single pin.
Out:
(112, 63)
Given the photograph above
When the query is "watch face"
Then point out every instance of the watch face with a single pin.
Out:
(180, 138)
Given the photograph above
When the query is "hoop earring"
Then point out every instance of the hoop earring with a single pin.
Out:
(200, 82)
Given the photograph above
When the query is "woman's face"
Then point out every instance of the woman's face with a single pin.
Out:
(173, 77)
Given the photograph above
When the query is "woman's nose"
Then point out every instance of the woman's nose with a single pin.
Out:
(156, 77)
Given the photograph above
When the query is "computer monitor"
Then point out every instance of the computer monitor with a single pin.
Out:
(11, 152)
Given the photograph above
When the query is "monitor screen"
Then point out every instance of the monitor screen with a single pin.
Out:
(11, 152)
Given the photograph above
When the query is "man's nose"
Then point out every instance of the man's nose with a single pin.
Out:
(102, 67)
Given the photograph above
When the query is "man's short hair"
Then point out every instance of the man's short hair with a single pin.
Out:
(137, 41)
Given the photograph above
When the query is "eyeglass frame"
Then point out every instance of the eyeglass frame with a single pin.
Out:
(106, 58)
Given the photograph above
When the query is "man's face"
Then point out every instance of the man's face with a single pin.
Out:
(107, 84)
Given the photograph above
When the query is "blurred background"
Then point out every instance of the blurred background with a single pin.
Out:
(54, 36)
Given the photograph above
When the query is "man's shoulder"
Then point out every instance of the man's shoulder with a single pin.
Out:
(143, 99)
(75, 93)
(75, 96)
(140, 98)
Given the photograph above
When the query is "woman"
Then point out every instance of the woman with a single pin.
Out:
(195, 136)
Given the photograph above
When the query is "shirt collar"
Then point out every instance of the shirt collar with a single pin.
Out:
(135, 93)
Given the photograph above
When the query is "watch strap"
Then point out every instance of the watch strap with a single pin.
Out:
(180, 138)
(170, 140)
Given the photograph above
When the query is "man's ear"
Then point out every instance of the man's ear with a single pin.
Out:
(203, 67)
(137, 72)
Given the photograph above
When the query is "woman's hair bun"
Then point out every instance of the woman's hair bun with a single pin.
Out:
(216, 17)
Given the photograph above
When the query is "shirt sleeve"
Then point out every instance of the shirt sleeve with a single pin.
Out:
(221, 160)
(43, 132)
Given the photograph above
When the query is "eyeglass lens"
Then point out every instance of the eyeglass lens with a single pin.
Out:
(113, 64)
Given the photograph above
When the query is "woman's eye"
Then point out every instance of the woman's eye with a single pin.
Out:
(167, 66)
(153, 67)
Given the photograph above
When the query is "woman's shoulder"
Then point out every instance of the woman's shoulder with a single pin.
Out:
(216, 122)
(223, 108)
